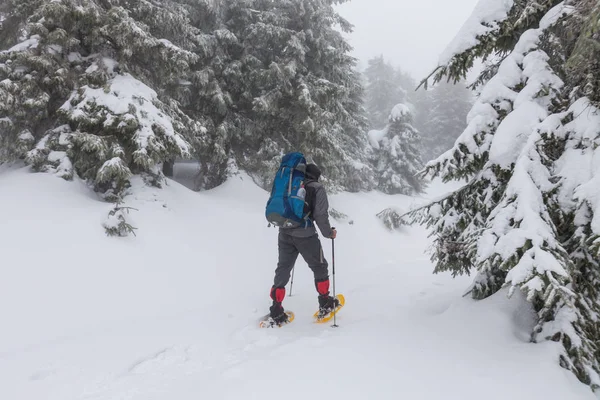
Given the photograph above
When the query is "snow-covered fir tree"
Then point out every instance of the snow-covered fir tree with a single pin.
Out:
(282, 80)
(241, 83)
(204, 96)
(396, 146)
(383, 91)
(85, 88)
(526, 217)
(442, 116)
(397, 154)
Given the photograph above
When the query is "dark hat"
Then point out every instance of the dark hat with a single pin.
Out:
(312, 171)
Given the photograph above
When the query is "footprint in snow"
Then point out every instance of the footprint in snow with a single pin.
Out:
(164, 358)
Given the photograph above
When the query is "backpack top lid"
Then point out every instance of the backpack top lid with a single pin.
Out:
(294, 160)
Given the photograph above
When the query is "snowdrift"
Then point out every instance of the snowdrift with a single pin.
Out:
(172, 312)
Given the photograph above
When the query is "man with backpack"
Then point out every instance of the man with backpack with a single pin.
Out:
(302, 238)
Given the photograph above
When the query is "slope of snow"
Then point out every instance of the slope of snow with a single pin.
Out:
(172, 312)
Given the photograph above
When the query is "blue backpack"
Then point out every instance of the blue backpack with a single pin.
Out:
(286, 205)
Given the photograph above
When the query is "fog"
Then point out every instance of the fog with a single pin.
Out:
(409, 33)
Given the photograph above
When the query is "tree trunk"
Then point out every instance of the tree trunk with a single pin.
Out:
(168, 167)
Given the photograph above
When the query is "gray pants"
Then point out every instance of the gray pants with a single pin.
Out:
(310, 249)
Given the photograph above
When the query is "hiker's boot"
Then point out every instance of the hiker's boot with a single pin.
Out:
(327, 304)
(277, 314)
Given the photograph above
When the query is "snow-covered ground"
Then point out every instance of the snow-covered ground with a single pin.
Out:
(172, 313)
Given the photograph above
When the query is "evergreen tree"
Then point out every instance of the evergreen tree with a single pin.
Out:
(205, 95)
(396, 154)
(525, 218)
(420, 103)
(85, 88)
(235, 82)
(287, 82)
(443, 117)
(383, 91)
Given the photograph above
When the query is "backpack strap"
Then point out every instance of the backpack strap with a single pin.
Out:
(309, 200)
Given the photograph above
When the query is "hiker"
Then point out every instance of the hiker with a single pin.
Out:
(304, 240)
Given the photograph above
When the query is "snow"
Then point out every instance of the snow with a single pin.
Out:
(375, 136)
(523, 206)
(485, 18)
(585, 127)
(111, 165)
(92, 68)
(539, 77)
(576, 165)
(526, 108)
(7, 121)
(399, 111)
(55, 49)
(30, 43)
(74, 57)
(55, 156)
(513, 132)
(520, 228)
(124, 91)
(169, 44)
(64, 166)
(586, 121)
(529, 107)
(105, 63)
(171, 312)
(555, 14)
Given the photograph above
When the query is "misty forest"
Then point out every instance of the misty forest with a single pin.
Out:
(141, 139)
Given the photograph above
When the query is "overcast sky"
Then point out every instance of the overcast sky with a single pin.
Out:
(410, 33)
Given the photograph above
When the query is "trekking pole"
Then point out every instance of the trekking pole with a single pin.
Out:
(292, 284)
(333, 268)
